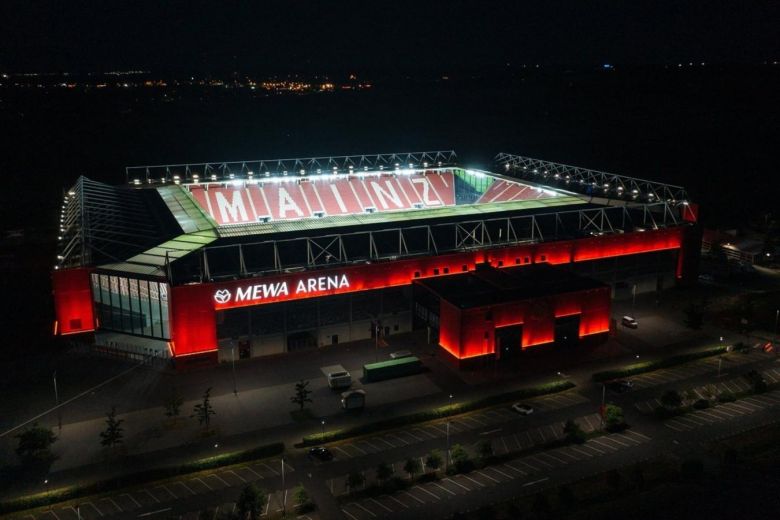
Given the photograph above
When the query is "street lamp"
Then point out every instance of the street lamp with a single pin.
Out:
(322, 436)
(284, 490)
(57, 401)
(447, 454)
(233, 361)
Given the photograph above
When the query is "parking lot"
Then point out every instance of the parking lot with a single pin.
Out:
(697, 368)
(530, 469)
(275, 503)
(724, 412)
(438, 429)
(159, 496)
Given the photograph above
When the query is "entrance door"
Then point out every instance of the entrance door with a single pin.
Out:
(567, 330)
(334, 339)
(509, 342)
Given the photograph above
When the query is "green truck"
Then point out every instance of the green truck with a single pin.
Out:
(405, 366)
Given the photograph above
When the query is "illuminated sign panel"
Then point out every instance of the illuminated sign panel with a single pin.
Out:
(280, 290)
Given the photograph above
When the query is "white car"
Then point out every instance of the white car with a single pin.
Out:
(523, 409)
(630, 322)
(337, 380)
(400, 354)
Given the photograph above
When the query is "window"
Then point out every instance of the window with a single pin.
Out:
(436, 271)
(131, 306)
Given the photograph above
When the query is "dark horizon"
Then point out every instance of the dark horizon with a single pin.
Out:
(395, 38)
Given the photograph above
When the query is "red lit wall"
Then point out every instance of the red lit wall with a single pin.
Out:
(193, 306)
(72, 301)
(468, 333)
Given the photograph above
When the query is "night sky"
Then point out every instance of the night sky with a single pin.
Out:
(328, 36)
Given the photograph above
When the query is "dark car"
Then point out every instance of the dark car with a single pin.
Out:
(620, 386)
(321, 453)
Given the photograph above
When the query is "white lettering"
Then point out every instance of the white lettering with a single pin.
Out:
(390, 193)
(243, 294)
(426, 192)
(301, 287)
(286, 203)
(229, 211)
(344, 282)
(311, 284)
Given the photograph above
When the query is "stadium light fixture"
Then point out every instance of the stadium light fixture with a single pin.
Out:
(425, 164)
(213, 177)
(303, 172)
(136, 181)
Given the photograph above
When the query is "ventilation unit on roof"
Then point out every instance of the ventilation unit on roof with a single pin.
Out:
(318, 214)
(418, 205)
(264, 219)
(370, 209)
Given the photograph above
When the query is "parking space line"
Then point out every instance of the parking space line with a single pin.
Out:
(488, 477)
(426, 491)
(547, 454)
(676, 428)
(253, 472)
(614, 438)
(239, 477)
(361, 450)
(515, 469)
(93, 506)
(168, 491)
(541, 434)
(423, 432)
(219, 478)
(456, 483)
(629, 439)
(395, 500)
(197, 479)
(565, 453)
(148, 493)
(607, 446)
(480, 484)
(443, 488)
(272, 470)
(53, 513)
(414, 497)
(346, 454)
(533, 468)
(348, 514)
(128, 495)
(510, 477)
(581, 452)
(634, 432)
(555, 432)
(381, 505)
(407, 432)
(503, 441)
(517, 441)
(185, 486)
(109, 499)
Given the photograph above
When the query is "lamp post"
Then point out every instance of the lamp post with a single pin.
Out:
(777, 317)
(284, 490)
(57, 401)
(233, 361)
(603, 402)
(447, 454)
(322, 435)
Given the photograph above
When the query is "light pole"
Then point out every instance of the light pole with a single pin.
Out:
(57, 401)
(284, 490)
(633, 299)
(603, 403)
(447, 454)
(233, 360)
(777, 317)
(322, 436)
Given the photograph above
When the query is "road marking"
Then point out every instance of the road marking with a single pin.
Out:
(150, 513)
(640, 434)
(541, 434)
(517, 441)
(510, 477)
(530, 440)
(515, 469)
(423, 432)
(581, 452)
(137, 503)
(414, 497)
(491, 431)
(185, 486)
(480, 484)
(556, 433)
(348, 514)
(168, 491)
(562, 451)
(457, 484)
(346, 454)
(239, 477)
(148, 493)
(270, 468)
(443, 488)
(93, 506)
(503, 441)
(552, 457)
(488, 476)
(613, 438)
(536, 481)
(426, 491)
(386, 442)
(219, 478)
(607, 446)
(395, 500)
(526, 464)
(403, 443)
(668, 425)
(629, 439)
(113, 502)
(197, 479)
(255, 473)
(361, 450)
(381, 505)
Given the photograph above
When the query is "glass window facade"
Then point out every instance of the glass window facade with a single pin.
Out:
(132, 306)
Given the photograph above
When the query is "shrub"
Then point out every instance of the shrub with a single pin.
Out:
(649, 366)
(433, 460)
(251, 502)
(412, 466)
(461, 459)
(383, 471)
(671, 399)
(485, 449)
(614, 419)
(574, 434)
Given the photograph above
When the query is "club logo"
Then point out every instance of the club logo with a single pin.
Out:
(222, 296)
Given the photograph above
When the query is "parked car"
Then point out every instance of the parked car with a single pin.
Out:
(321, 453)
(621, 385)
(630, 322)
(400, 354)
(353, 399)
(338, 380)
(523, 409)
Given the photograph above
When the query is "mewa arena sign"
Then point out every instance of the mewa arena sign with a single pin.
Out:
(280, 290)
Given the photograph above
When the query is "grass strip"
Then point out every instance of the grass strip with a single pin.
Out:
(437, 413)
(649, 366)
(140, 477)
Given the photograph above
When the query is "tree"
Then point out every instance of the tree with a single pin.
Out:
(355, 480)
(383, 471)
(433, 460)
(302, 393)
(34, 446)
(460, 458)
(114, 433)
(694, 317)
(250, 503)
(671, 399)
(173, 404)
(412, 466)
(574, 434)
(203, 410)
(613, 416)
(485, 449)
(303, 503)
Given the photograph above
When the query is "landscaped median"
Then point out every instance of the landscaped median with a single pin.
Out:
(131, 479)
(649, 366)
(437, 413)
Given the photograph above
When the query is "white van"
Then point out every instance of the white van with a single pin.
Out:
(353, 399)
(338, 380)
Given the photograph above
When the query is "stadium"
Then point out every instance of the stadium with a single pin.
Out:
(209, 262)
